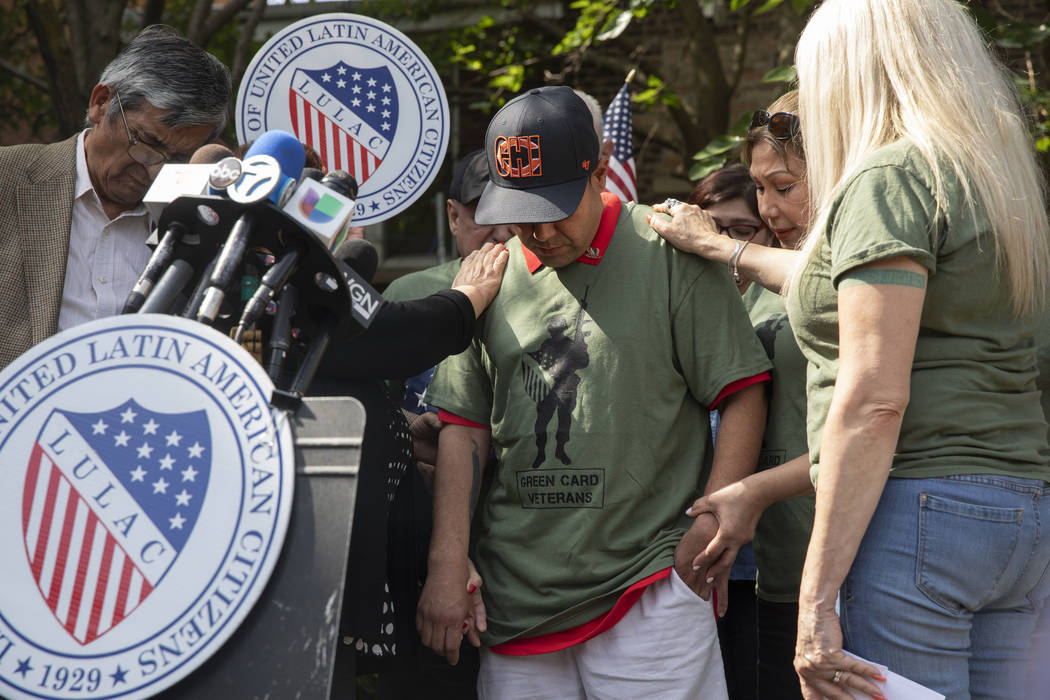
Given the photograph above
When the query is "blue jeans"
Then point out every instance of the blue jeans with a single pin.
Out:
(949, 580)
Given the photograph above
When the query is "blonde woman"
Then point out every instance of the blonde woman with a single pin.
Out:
(915, 302)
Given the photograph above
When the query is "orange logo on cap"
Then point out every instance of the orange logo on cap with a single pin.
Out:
(518, 156)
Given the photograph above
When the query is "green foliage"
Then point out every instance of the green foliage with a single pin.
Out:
(656, 91)
(781, 74)
(721, 150)
(799, 6)
(23, 106)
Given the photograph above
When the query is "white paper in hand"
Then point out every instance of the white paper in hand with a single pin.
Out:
(896, 686)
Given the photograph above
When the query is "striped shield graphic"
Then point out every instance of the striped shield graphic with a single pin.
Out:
(349, 115)
(110, 501)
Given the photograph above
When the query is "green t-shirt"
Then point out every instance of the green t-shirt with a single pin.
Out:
(1042, 346)
(974, 408)
(782, 534)
(417, 285)
(596, 382)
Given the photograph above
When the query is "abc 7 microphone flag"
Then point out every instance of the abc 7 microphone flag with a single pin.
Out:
(146, 460)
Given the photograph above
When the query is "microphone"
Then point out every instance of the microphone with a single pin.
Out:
(274, 279)
(260, 180)
(361, 256)
(162, 255)
(269, 169)
(281, 331)
(192, 306)
(226, 264)
(325, 208)
(210, 153)
(342, 182)
(169, 286)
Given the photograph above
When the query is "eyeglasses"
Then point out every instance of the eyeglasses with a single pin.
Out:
(783, 126)
(741, 232)
(140, 152)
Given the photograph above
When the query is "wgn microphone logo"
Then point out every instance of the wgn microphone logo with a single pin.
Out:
(362, 95)
(145, 490)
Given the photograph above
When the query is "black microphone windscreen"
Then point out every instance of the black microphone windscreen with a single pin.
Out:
(342, 182)
(360, 255)
(210, 153)
(311, 174)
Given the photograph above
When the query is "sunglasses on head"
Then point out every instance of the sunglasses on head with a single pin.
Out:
(783, 126)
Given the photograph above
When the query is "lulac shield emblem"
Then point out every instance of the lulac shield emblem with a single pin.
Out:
(145, 491)
(362, 95)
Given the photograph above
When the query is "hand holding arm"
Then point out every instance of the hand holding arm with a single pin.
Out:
(736, 455)
(444, 605)
(738, 507)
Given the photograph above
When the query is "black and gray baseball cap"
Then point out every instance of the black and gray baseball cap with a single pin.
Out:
(469, 178)
(541, 149)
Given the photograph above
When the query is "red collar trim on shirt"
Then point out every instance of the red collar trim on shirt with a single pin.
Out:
(611, 205)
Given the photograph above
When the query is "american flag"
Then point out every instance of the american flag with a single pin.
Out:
(110, 500)
(621, 180)
(349, 115)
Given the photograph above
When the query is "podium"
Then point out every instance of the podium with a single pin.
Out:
(287, 646)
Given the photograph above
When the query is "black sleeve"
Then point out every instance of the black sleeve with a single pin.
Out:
(405, 338)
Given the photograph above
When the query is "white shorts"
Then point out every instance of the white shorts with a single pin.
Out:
(666, 646)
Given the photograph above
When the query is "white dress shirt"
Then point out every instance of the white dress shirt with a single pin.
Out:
(106, 256)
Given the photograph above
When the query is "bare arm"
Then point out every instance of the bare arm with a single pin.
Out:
(736, 454)
(878, 328)
(692, 230)
(445, 604)
(739, 436)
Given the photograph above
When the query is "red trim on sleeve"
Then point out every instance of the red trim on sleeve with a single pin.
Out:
(556, 641)
(446, 417)
(611, 206)
(733, 387)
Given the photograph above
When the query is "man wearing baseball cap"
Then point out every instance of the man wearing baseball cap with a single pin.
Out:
(618, 345)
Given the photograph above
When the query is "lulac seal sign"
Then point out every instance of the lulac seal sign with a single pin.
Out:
(145, 491)
(363, 95)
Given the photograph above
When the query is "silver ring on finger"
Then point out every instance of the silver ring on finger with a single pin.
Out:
(671, 203)
(838, 676)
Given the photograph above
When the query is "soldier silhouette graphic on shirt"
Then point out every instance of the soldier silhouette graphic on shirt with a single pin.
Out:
(559, 356)
(767, 332)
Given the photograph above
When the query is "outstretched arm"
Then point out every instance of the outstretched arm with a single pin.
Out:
(692, 230)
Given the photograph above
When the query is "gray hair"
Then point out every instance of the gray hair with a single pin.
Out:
(595, 109)
(168, 71)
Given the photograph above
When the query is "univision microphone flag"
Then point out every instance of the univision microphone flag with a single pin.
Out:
(617, 126)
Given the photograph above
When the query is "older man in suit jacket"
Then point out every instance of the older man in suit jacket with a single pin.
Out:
(73, 227)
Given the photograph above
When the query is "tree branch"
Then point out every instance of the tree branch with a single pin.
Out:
(195, 28)
(152, 13)
(244, 40)
(23, 76)
(46, 25)
(218, 19)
